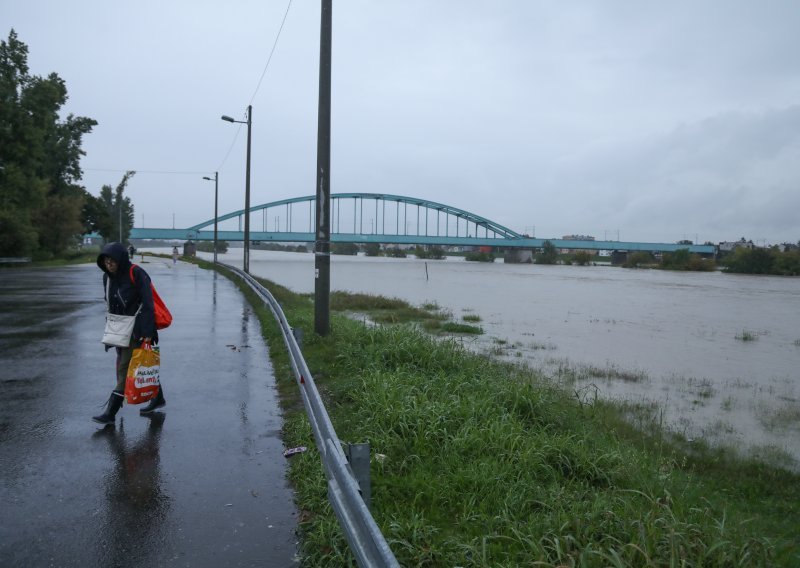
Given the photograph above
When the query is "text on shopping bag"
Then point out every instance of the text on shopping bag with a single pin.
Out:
(142, 381)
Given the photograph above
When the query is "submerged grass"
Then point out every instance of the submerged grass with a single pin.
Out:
(488, 464)
(566, 371)
(463, 328)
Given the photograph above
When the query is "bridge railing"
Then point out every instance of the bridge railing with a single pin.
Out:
(363, 535)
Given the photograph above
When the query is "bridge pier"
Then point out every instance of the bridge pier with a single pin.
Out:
(518, 256)
(619, 257)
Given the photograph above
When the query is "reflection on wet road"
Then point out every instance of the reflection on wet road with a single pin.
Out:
(200, 484)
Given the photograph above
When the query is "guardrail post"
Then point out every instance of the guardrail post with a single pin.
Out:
(358, 458)
(298, 336)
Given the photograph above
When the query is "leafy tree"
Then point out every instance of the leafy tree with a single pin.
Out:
(479, 257)
(678, 260)
(764, 261)
(787, 263)
(208, 246)
(682, 259)
(96, 217)
(344, 248)
(433, 252)
(549, 254)
(749, 261)
(372, 249)
(582, 258)
(395, 252)
(639, 258)
(699, 264)
(40, 198)
(117, 209)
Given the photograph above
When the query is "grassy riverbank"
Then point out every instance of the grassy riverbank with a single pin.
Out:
(478, 463)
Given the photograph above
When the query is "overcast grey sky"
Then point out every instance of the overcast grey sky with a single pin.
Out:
(659, 121)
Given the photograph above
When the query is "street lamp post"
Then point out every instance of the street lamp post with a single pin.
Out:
(216, 209)
(249, 123)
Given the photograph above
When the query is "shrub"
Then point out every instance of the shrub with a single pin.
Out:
(639, 259)
(344, 248)
(372, 249)
(479, 257)
(582, 258)
(434, 253)
(208, 246)
(549, 254)
(683, 260)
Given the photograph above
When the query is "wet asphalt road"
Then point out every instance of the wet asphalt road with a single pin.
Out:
(200, 484)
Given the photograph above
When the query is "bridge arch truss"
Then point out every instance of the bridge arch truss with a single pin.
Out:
(386, 219)
(367, 217)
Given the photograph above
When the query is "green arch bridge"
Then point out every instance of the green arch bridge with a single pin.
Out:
(387, 219)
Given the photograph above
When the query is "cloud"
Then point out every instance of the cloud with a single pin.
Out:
(576, 117)
(723, 177)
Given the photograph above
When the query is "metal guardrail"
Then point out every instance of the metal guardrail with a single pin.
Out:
(14, 260)
(365, 538)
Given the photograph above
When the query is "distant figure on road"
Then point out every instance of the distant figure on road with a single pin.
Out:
(128, 292)
(174, 255)
(131, 252)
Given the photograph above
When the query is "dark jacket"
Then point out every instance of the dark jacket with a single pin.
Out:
(125, 295)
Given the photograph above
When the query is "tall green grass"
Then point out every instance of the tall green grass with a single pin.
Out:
(487, 464)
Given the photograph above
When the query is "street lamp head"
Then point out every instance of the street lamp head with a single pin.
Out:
(208, 178)
(227, 118)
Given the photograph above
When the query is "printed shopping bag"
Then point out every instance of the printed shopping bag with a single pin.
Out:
(142, 384)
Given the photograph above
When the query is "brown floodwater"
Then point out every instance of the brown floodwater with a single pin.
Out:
(713, 356)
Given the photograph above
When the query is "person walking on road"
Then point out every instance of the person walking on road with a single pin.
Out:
(128, 292)
(174, 256)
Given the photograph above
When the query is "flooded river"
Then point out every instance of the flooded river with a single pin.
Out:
(717, 353)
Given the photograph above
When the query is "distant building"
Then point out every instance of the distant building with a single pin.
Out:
(730, 246)
(91, 239)
(576, 238)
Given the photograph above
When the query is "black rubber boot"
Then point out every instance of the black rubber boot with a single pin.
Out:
(112, 407)
(155, 402)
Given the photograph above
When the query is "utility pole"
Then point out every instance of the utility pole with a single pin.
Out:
(246, 263)
(216, 209)
(216, 213)
(249, 123)
(322, 245)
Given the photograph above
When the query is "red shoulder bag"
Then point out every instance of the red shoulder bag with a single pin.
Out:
(162, 315)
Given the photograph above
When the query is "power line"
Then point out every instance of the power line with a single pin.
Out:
(166, 172)
(274, 45)
(230, 148)
(238, 131)
(258, 86)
